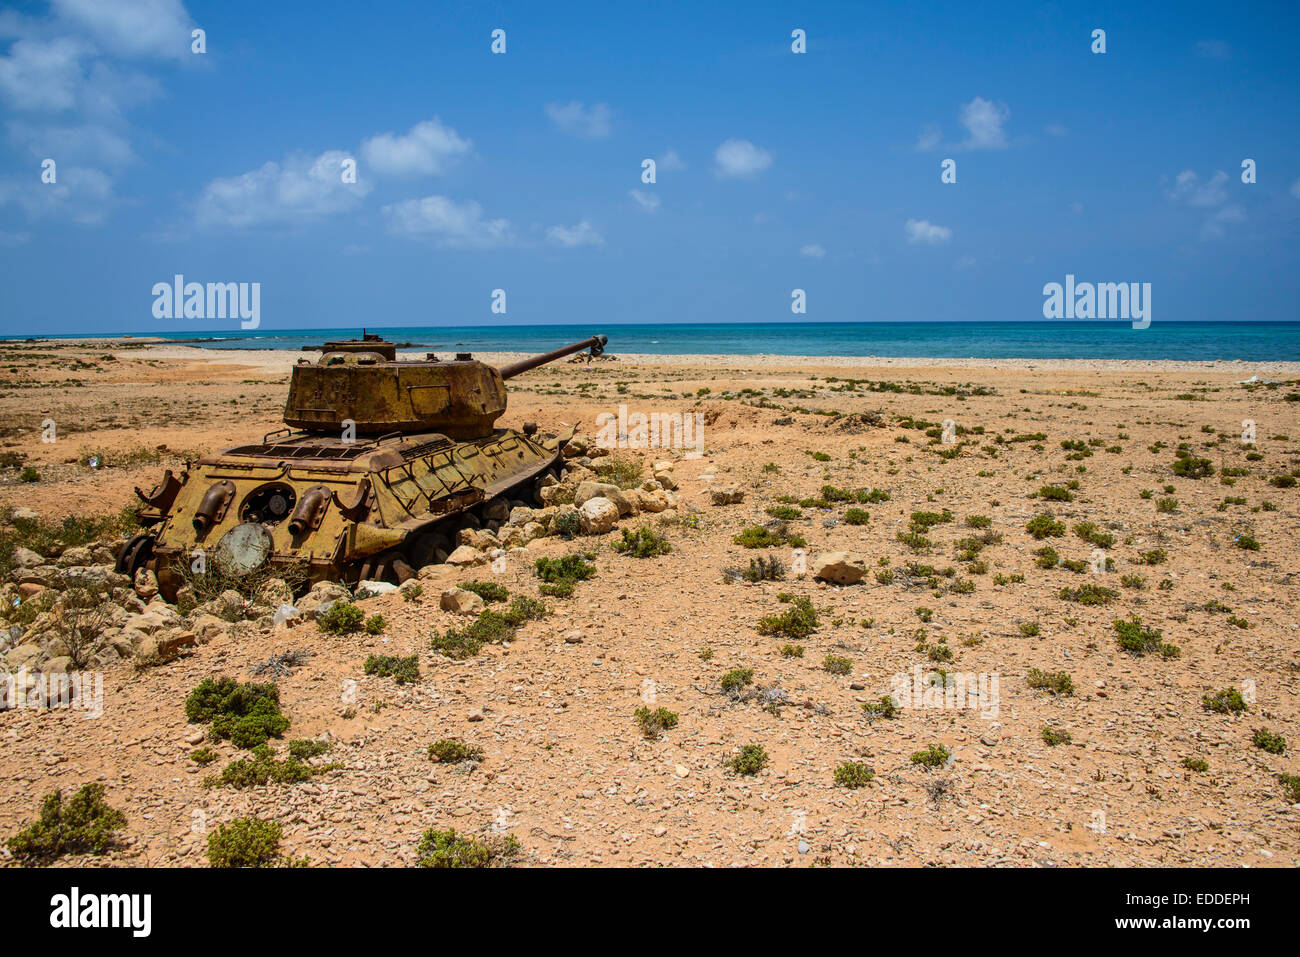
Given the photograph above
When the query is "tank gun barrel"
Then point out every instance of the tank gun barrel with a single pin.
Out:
(595, 343)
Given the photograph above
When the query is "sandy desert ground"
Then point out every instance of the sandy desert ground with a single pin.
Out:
(1149, 774)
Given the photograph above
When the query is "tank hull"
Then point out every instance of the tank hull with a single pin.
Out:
(315, 507)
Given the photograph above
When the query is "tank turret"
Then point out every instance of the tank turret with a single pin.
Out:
(362, 381)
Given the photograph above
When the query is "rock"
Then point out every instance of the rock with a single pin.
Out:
(26, 558)
(146, 584)
(589, 490)
(666, 480)
(598, 515)
(171, 643)
(461, 602)
(557, 494)
(663, 465)
(329, 591)
(30, 589)
(655, 500)
(726, 495)
(207, 627)
(573, 637)
(369, 589)
(466, 555)
(534, 530)
(576, 447)
(194, 736)
(498, 510)
(435, 572)
(57, 666)
(24, 514)
(77, 555)
(840, 568)
(24, 656)
(521, 515)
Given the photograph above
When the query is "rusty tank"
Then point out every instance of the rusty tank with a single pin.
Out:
(382, 462)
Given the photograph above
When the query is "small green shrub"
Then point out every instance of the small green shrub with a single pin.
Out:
(1057, 682)
(1052, 737)
(247, 714)
(245, 842)
(1045, 526)
(654, 723)
(447, 849)
(853, 774)
(751, 759)
(454, 751)
(1227, 701)
(1089, 594)
(884, 708)
(401, 670)
(1140, 640)
(935, 756)
(1269, 741)
(262, 768)
(797, 621)
(736, 679)
(645, 542)
(86, 824)
(488, 591)
(856, 516)
(837, 664)
(341, 618)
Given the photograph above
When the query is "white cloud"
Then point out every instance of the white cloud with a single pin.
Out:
(1295, 189)
(964, 263)
(740, 159)
(449, 224)
(1189, 190)
(983, 120)
(299, 191)
(158, 28)
(1056, 129)
(1216, 226)
(922, 231)
(583, 234)
(670, 162)
(929, 139)
(82, 195)
(41, 75)
(813, 251)
(577, 120)
(72, 144)
(648, 201)
(428, 149)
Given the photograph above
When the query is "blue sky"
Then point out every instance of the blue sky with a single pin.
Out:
(522, 171)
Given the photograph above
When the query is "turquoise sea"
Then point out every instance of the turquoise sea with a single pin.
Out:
(1059, 339)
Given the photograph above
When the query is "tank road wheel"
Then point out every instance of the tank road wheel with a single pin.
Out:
(134, 554)
(391, 566)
